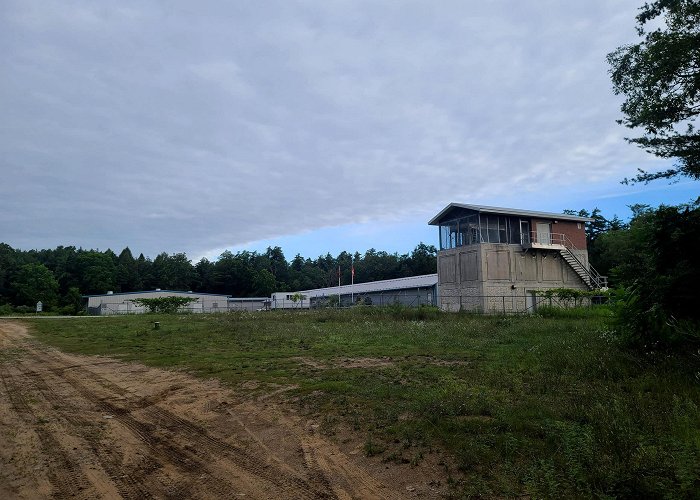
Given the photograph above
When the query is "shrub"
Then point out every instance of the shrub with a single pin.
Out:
(164, 305)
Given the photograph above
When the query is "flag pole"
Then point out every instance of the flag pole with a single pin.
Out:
(352, 281)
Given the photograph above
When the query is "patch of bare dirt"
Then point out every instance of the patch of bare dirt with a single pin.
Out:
(374, 362)
(93, 427)
(346, 362)
(432, 360)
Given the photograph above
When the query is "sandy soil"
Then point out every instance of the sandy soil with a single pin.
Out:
(93, 427)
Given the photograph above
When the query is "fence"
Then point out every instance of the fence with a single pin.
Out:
(404, 298)
(484, 304)
(523, 304)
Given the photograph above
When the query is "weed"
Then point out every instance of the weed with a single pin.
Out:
(417, 458)
(372, 447)
(328, 425)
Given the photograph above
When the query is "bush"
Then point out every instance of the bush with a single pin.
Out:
(401, 312)
(646, 324)
(660, 270)
(574, 312)
(5, 310)
(164, 305)
(25, 309)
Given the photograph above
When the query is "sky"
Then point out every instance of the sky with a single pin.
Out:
(200, 127)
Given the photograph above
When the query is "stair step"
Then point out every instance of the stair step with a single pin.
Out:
(586, 276)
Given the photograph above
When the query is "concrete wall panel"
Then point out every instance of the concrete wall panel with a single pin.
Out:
(552, 267)
(526, 266)
(469, 265)
(498, 264)
(446, 269)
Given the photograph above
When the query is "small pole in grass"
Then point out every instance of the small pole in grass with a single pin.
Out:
(156, 325)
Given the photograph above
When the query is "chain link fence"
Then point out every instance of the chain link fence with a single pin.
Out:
(379, 299)
(483, 304)
(522, 304)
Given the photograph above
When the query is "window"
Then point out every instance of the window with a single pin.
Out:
(496, 228)
(503, 230)
(474, 229)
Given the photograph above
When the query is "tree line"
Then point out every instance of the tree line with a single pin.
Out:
(59, 277)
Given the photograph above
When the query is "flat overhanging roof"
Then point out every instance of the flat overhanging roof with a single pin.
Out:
(181, 292)
(422, 281)
(435, 221)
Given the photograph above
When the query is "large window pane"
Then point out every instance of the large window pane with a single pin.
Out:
(492, 228)
(503, 230)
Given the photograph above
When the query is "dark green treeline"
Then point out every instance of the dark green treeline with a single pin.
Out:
(58, 277)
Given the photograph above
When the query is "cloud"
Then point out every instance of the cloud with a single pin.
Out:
(167, 127)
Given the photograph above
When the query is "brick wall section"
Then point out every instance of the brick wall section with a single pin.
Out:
(573, 232)
(569, 228)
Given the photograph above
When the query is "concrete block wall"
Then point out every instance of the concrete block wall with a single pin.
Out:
(494, 277)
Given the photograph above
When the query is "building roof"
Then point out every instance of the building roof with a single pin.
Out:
(248, 299)
(424, 281)
(155, 291)
(505, 211)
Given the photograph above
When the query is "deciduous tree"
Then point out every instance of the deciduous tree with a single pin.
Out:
(660, 79)
(34, 283)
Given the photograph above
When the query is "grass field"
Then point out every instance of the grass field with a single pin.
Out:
(551, 407)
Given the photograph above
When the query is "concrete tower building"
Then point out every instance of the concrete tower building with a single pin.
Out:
(496, 259)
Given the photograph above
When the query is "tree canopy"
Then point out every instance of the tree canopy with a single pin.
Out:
(164, 305)
(652, 263)
(35, 282)
(660, 79)
(59, 276)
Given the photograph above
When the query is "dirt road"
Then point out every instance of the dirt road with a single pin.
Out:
(93, 427)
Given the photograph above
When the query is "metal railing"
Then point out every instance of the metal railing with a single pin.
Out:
(595, 279)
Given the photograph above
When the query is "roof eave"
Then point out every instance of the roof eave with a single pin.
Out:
(435, 221)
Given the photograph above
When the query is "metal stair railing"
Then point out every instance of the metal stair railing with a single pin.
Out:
(590, 275)
(597, 280)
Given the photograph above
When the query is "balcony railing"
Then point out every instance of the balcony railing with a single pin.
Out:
(562, 243)
(546, 238)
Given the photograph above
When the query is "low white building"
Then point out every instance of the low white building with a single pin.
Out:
(247, 303)
(122, 303)
(413, 292)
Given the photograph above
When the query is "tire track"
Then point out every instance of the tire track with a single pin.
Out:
(161, 440)
(250, 463)
(184, 458)
(202, 441)
(162, 451)
(70, 482)
(128, 483)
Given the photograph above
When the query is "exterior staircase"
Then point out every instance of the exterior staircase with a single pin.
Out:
(592, 278)
(557, 241)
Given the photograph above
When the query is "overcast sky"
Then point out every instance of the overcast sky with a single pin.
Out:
(320, 125)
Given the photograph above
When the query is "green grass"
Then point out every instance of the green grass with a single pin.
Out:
(540, 406)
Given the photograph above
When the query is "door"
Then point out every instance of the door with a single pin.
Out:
(524, 232)
(544, 233)
(530, 301)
